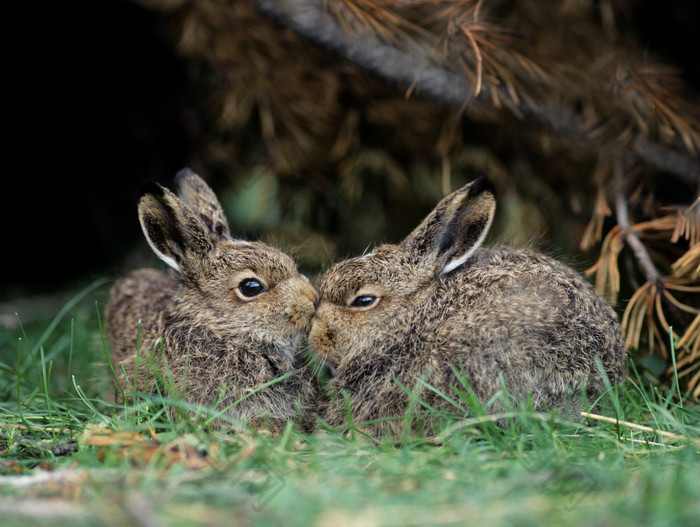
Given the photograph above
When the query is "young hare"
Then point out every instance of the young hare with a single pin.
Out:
(229, 320)
(437, 303)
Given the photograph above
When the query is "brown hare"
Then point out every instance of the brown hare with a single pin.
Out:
(229, 318)
(437, 304)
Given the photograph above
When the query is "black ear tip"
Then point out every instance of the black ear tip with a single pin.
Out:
(151, 188)
(481, 184)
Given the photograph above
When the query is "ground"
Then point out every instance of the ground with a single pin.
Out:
(67, 454)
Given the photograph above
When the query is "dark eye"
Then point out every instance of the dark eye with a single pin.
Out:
(251, 287)
(363, 301)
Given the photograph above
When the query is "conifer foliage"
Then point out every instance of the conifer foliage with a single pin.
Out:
(358, 115)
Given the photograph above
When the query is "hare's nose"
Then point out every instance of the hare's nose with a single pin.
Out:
(303, 307)
(312, 295)
(321, 337)
(309, 291)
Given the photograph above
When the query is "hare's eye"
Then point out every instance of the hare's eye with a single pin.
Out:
(363, 301)
(251, 287)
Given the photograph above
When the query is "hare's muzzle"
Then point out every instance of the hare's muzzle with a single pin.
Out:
(322, 338)
(303, 304)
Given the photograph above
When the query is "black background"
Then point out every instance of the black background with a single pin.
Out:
(97, 103)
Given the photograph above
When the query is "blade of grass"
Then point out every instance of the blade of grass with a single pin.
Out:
(88, 403)
(286, 435)
(642, 428)
(472, 402)
(612, 393)
(250, 394)
(45, 381)
(64, 311)
(137, 360)
(17, 377)
(106, 352)
(676, 384)
(70, 355)
(442, 394)
(408, 414)
(348, 415)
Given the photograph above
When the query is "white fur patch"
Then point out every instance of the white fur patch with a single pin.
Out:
(454, 264)
(167, 259)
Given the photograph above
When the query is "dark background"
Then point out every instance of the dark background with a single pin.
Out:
(97, 108)
(97, 103)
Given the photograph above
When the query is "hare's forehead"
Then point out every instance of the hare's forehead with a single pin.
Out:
(352, 275)
(256, 256)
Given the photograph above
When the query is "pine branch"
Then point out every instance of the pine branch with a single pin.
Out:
(413, 69)
(629, 235)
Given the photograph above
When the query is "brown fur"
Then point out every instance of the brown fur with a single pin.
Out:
(496, 313)
(197, 326)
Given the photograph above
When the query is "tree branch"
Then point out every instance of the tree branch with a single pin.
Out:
(631, 238)
(411, 67)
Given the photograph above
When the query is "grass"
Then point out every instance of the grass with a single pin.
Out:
(68, 454)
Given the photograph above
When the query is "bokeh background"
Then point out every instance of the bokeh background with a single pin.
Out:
(319, 156)
(104, 96)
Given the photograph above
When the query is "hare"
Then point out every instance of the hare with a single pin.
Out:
(228, 319)
(437, 304)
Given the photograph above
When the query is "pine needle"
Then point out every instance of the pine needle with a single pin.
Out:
(642, 428)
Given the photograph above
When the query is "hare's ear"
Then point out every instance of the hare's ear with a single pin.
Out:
(201, 199)
(451, 233)
(173, 231)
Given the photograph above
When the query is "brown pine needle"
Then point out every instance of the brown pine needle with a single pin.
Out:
(479, 59)
(660, 313)
(680, 305)
(633, 317)
(695, 382)
(153, 434)
(606, 268)
(594, 229)
(642, 428)
(692, 332)
(688, 264)
(43, 428)
(679, 287)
